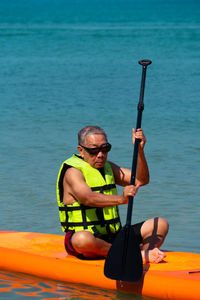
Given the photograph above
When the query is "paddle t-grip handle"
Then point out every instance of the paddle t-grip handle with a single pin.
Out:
(144, 63)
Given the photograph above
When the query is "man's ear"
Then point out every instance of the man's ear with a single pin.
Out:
(80, 150)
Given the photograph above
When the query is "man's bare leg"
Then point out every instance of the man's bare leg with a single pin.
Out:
(153, 232)
(84, 242)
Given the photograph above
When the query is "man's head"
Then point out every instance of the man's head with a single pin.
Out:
(93, 146)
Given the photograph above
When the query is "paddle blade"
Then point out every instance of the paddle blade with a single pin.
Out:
(124, 260)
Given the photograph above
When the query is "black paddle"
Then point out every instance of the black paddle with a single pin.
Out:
(124, 260)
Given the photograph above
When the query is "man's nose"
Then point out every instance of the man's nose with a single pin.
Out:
(100, 154)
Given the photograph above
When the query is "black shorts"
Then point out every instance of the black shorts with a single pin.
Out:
(106, 237)
(136, 228)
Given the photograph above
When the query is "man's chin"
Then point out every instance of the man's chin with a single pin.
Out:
(99, 165)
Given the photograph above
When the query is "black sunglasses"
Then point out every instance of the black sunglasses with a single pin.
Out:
(94, 151)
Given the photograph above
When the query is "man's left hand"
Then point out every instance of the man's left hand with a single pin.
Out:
(139, 135)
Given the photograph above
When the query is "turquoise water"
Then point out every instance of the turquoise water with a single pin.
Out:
(67, 64)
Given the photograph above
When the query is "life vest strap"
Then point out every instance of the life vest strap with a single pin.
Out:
(103, 188)
(72, 208)
(90, 223)
(99, 213)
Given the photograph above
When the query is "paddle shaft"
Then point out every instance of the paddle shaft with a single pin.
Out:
(124, 259)
(144, 64)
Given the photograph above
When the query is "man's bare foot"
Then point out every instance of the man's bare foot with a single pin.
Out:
(152, 256)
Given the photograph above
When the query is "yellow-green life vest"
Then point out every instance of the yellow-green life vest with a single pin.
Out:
(80, 217)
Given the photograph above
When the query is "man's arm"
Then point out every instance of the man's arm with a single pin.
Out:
(142, 173)
(75, 188)
(123, 175)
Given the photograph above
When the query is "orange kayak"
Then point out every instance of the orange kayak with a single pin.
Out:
(44, 255)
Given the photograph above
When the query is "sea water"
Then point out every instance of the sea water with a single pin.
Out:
(65, 64)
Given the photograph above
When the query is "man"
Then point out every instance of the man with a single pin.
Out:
(88, 200)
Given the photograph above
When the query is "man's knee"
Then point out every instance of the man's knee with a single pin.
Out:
(81, 239)
(163, 226)
(153, 232)
(155, 226)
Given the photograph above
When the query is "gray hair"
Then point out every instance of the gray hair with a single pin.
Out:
(89, 130)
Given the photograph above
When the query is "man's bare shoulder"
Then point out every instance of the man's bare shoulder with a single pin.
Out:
(113, 165)
(122, 175)
(73, 174)
(115, 168)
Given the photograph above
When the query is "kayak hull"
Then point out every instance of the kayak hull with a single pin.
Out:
(44, 255)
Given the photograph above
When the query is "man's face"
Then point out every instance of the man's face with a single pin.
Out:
(94, 141)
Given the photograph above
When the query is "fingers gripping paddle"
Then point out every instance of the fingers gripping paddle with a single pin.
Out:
(124, 260)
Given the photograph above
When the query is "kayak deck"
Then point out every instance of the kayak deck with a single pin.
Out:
(44, 255)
